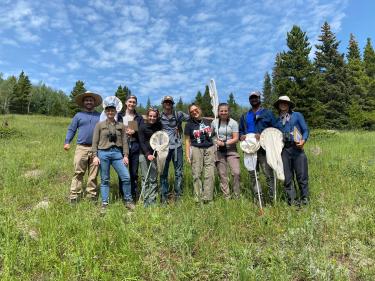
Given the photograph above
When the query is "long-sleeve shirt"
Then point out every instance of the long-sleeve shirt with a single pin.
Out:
(172, 125)
(101, 139)
(256, 123)
(85, 123)
(144, 133)
(296, 120)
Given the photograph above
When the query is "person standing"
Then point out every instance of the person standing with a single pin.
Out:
(147, 157)
(255, 121)
(132, 121)
(227, 135)
(171, 121)
(198, 137)
(295, 134)
(110, 147)
(84, 122)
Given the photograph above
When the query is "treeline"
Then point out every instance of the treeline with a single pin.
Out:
(18, 95)
(333, 90)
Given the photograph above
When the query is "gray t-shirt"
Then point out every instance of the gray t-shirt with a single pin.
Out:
(225, 130)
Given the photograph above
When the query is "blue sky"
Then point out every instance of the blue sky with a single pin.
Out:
(167, 46)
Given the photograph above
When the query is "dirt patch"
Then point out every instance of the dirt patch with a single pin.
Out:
(33, 174)
(316, 150)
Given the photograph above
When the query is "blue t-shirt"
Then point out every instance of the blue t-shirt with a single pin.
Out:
(85, 123)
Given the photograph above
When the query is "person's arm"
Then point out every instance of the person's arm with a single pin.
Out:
(125, 146)
(95, 143)
(305, 130)
(242, 129)
(187, 149)
(143, 142)
(72, 129)
(184, 116)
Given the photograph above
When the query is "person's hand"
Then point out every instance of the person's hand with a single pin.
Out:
(257, 137)
(150, 157)
(243, 137)
(220, 142)
(66, 146)
(300, 144)
(125, 160)
(96, 161)
(130, 131)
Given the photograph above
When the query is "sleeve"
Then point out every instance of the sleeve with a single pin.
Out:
(213, 127)
(184, 116)
(140, 121)
(187, 129)
(142, 141)
(303, 125)
(234, 126)
(125, 146)
(72, 129)
(95, 140)
(241, 128)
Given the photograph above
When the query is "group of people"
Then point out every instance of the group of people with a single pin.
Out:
(123, 141)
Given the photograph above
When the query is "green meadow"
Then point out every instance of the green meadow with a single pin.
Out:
(42, 237)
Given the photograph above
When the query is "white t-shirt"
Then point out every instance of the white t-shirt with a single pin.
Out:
(126, 118)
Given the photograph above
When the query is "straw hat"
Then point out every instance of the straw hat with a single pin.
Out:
(97, 98)
(284, 99)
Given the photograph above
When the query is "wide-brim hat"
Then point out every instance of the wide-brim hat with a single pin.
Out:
(250, 144)
(97, 98)
(284, 99)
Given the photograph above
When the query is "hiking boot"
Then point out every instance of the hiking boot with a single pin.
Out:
(305, 201)
(73, 201)
(129, 205)
(104, 207)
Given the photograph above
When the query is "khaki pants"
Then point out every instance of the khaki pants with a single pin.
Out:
(83, 161)
(203, 160)
(223, 159)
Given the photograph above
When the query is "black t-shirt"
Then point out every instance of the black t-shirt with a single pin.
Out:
(200, 133)
(144, 133)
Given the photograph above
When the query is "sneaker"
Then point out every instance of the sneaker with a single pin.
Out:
(73, 201)
(129, 205)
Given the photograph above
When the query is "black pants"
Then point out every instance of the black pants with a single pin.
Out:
(133, 171)
(295, 162)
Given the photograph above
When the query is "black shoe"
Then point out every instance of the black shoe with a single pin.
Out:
(104, 207)
(294, 203)
(73, 201)
(305, 201)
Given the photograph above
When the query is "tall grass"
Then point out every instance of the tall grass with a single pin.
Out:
(42, 237)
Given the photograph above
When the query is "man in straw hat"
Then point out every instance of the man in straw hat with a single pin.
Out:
(255, 121)
(84, 122)
(295, 134)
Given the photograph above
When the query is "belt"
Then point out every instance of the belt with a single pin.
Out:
(85, 144)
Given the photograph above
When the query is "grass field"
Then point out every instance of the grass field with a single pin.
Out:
(42, 237)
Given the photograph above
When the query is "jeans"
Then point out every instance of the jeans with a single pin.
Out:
(177, 157)
(295, 162)
(133, 170)
(108, 157)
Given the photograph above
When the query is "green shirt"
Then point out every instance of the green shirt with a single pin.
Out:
(101, 138)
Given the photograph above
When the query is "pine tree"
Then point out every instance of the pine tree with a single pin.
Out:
(331, 81)
(180, 105)
(369, 59)
(22, 95)
(148, 104)
(268, 96)
(206, 104)
(78, 89)
(233, 107)
(7, 90)
(127, 92)
(121, 94)
(198, 99)
(353, 49)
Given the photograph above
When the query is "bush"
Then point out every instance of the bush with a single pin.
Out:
(7, 133)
